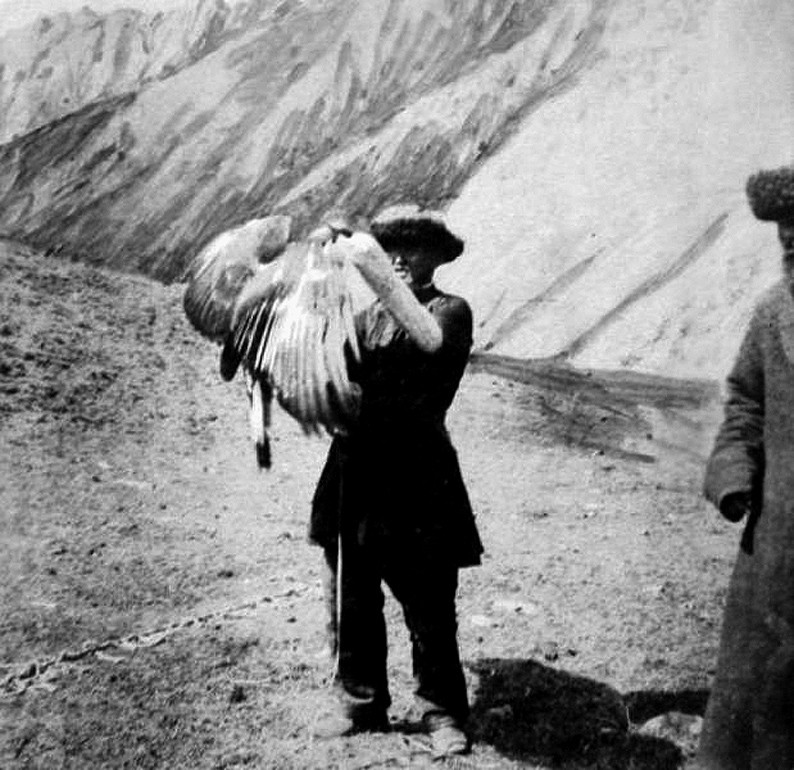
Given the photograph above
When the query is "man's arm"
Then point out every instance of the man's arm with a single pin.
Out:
(376, 268)
(735, 468)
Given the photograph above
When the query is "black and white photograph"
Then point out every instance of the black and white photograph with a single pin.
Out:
(397, 384)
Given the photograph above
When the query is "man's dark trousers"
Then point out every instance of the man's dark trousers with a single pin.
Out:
(426, 590)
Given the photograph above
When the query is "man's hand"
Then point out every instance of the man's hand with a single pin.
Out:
(360, 247)
(735, 506)
(355, 248)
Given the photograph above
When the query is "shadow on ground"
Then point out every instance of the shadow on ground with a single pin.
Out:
(539, 715)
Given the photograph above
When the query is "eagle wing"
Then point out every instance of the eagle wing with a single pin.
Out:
(294, 329)
(218, 274)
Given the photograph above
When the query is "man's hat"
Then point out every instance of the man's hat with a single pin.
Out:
(408, 226)
(771, 194)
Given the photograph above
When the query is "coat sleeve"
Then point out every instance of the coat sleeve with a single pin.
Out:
(454, 316)
(736, 463)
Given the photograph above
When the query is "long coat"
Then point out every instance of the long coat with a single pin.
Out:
(749, 723)
(394, 482)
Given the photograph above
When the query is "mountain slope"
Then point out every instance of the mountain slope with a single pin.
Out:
(635, 180)
(591, 152)
(311, 105)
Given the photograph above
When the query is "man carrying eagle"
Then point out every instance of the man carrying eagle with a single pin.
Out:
(390, 506)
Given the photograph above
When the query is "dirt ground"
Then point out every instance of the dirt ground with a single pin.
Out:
(161, 608)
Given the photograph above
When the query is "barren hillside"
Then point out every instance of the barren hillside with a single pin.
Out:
(592, 152)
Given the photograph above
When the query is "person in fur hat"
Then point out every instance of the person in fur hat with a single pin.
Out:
(391, 506)
(749, 722)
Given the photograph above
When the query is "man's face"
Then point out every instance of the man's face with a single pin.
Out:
(786, 236)
(414, 266)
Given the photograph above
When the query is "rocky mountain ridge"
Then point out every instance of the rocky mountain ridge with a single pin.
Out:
(66, 61)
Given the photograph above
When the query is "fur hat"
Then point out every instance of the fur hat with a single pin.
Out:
(409, 226)
(771, 194)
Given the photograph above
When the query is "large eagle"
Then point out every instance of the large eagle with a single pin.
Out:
(283, 312)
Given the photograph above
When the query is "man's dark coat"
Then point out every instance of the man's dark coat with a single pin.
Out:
(395, 478)
(749, 722)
